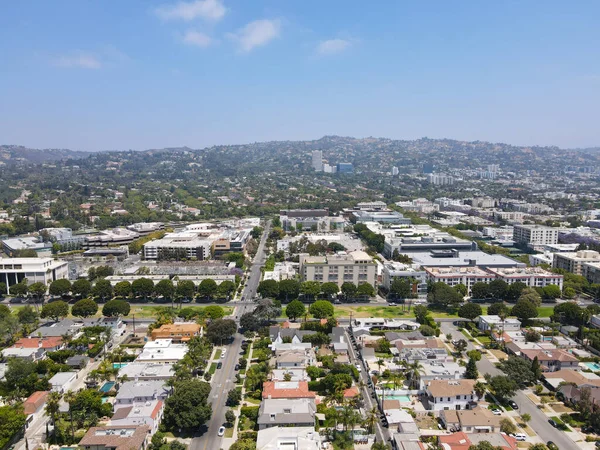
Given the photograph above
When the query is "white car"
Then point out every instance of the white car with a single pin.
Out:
(223, 354)
(221, 431)
(521, 437)
(358, 368)
(496, 412)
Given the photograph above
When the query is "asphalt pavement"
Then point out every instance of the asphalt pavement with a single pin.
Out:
(539, 421)
(224, 378)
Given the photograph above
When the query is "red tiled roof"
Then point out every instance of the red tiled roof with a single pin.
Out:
(549, 355)
(156, 409)
(34, 401)
(47, 342)
(281, 389)
(351, 392)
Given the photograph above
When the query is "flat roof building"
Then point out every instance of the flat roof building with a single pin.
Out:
(535, 235)
(531, 276)
(13, 245)
(44, 270)
(181, 245)
(381, 217)
(574, 261)
(354, 267)
(452, 276)
(178, 331)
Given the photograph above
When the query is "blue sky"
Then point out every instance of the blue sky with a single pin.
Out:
(115, 74)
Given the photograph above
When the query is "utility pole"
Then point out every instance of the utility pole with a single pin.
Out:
(134, 324)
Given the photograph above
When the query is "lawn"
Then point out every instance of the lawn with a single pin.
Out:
(228, 432)
(218, 353)
(213, 368)
(545, 311)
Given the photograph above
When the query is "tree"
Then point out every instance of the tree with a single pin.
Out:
(518, 369)
(569, 313)
(552, 291)
(214, 312)
(503, 386)
(221, 330)
(165, 288)
(225, 288)
(207, 288)
(421, 313)
(480, 290)
(531, 295)
(497, 289)
(310, 289)
(102, 289)
(321, 309)
(514, 291)
(461, 345)
(295, 309)
(250, 322)
(469, 311)
(474, 355)
(37, 289)
(143, 287)
(85, 307)
(484, 445)
(532, 336)
(365, 289)
(585, 404)
(185, 289)
(288, 289)
(349, 290)
(569, 293)
(244, 443)
(123, 289)
(330, 289)
(27, 315)
(524, 310)
(234, 397)
(525, 418)
(267, 309)
(20, 289)
(116, 308)
(12, 421)
(230, 416)
(81, 287)
(507, 426)
(443, 295)
(268, 289)
(187, 407)
(401, 288)
(497, 308)
(427, 330)
(380, 446)
(55, 310)
(471, 371)
(256, 232)
(60, 287)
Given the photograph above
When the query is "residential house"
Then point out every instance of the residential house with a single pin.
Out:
(162, 351)
(132, 392)
(450, 394)
(293, 359)
(552, 360)
(178, 331)
(77, 361)
(35, 402)
(487, 323)
(147, 371)
(287, 413)
(476, 420)
(131, 437)
(463, 441)
(286, 389)
(575, 377)
(62, 381)
(439, 370)
(139, 413)
(293, 438)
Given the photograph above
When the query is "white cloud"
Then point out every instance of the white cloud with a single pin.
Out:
(197, 39)
(332, 46)
(78, 60)
(204, 9)
(256, 34)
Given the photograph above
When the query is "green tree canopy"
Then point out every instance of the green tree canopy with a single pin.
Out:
(116, 308)
(60, 287)
(469, 311)
(480, 290)
(214, 312)
(498, 308)
(443, 295)
(185, 289)
(366, 289)
(55, 310)
(349, 289)
(330, 289)
(321, 309)
(295, 309)
(187, 408)
(143, 287)
(531, 295)
(268, 289)
(12, 421)
(504, 387)
(400, 287)
(165, 288)
(81, 287)
(207, 288)
(86, 307)
(514, 291)
(524, 310)
(289, 289)
(123, 289)
(102, 289)
(221, 330)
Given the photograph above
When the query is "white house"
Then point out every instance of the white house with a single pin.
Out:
(495, 322)
(451, 394)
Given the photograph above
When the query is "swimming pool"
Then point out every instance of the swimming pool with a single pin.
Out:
(594, 366)
(107, 386)
(119, 365)
(401, 398)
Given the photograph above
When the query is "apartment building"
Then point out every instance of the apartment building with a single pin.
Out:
(45, 270)
(531, 276)
(591, 271)
(535, 235)
(394, 270)
(184, 244)
(440, 179)
(574, 261)
(354, 267)
(458, 275)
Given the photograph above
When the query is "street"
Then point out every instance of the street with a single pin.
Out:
(224, 378)
(539, 421)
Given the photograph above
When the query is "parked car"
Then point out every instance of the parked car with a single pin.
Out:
(521, 437)
(552, 446)
(358, 368)
(219, 365)
(221, 431)
(513, 405)
(237, 367)
(553, 423)
(496, 412)
(392, 304)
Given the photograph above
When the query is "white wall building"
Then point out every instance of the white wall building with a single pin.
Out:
(574, 261)
(184, 244)
(317, 160)
(451, 394)
(355, 267)
(535, 235)
(531, 276)
(44, 270)
(468, 275)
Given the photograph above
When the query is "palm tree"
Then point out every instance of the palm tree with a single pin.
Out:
(70, 398)
(380, 362)
(371, 420)
(414, 372)
(346, 416)
(480, 389)
(53, 406)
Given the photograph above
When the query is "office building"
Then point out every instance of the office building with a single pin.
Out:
(440, 179)
(458, 275)
(44, 270)
(13, 246)
(184, 244)
(355, 267)
(574, 261)
(345, 168)
(437, 241)
(535, 235)
(381, 217)
(116, 236)
(395, 171)
(531, 276)
(306, 219)
(394, 270)
(453, 258)
(317, 160)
